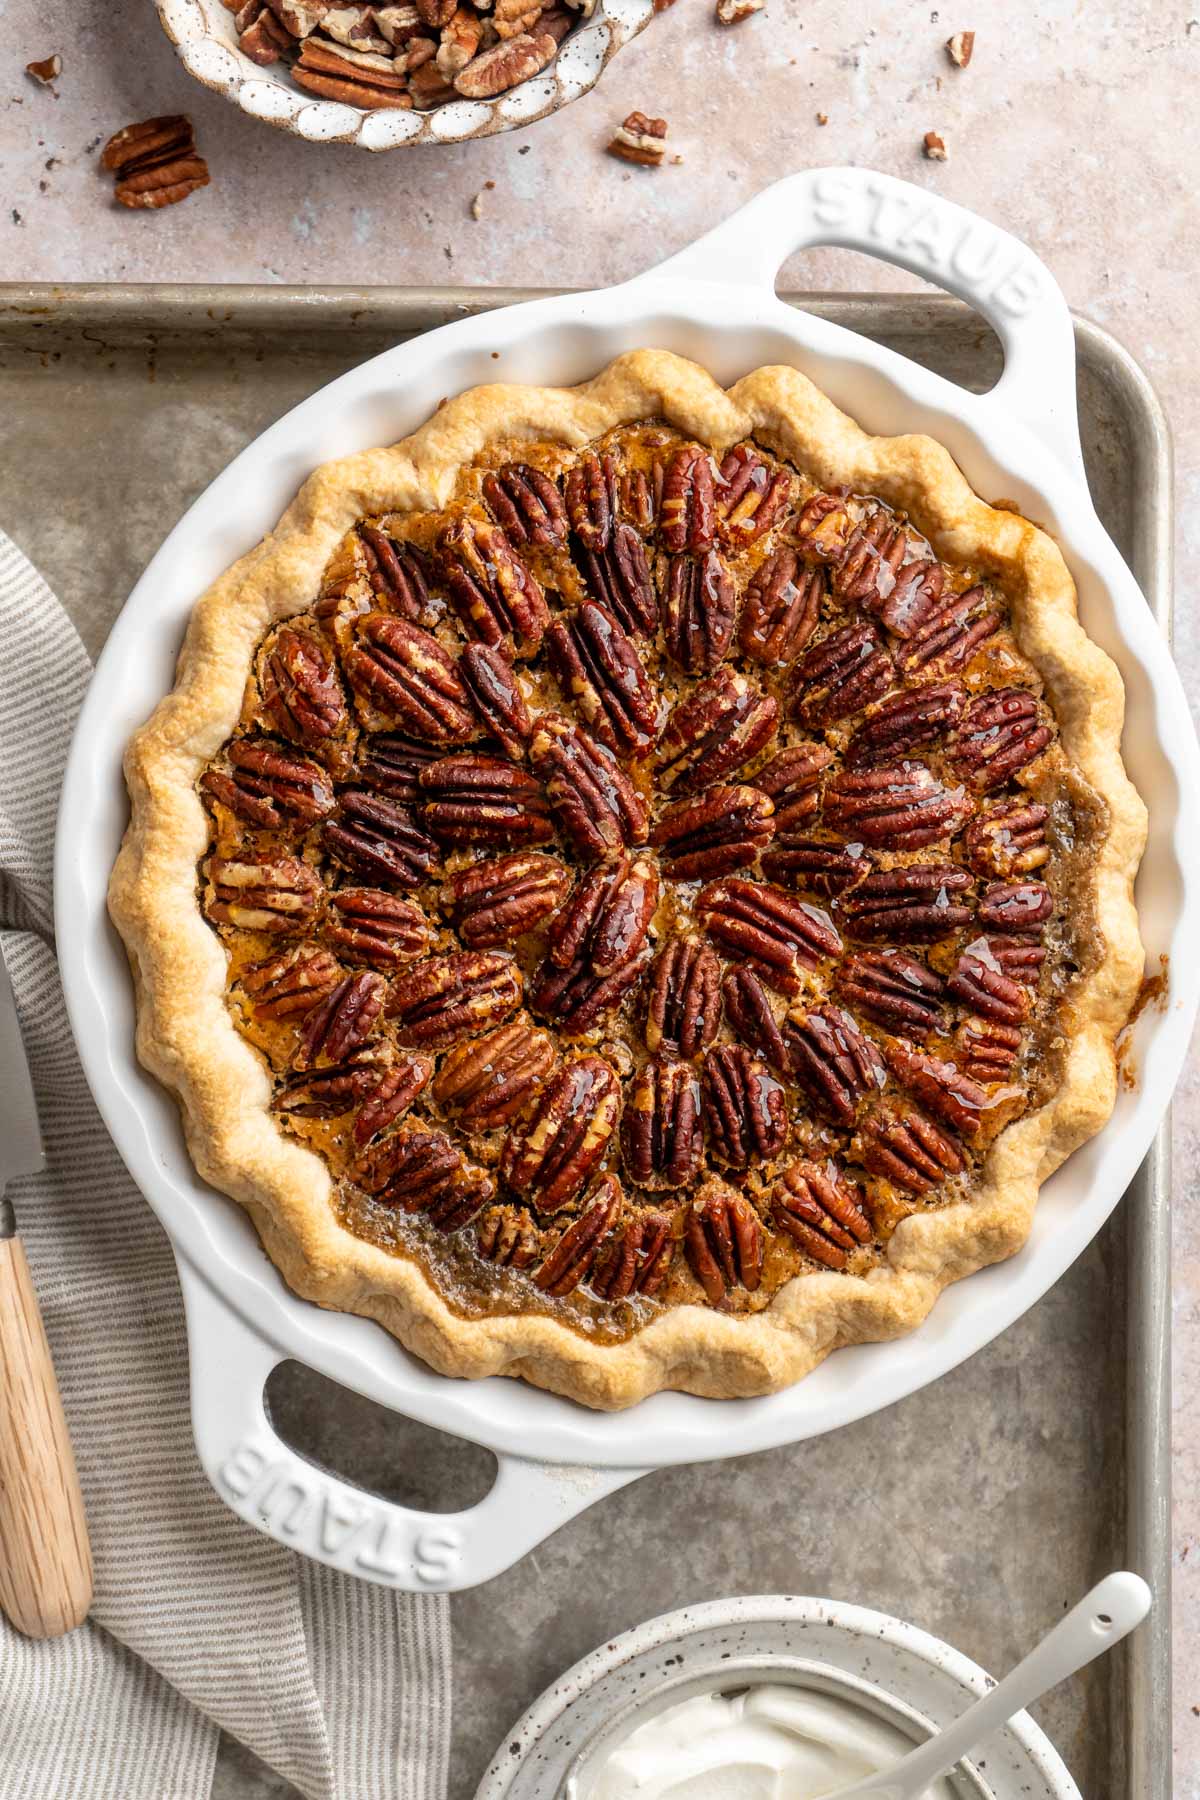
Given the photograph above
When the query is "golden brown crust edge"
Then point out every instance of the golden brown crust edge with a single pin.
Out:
(186, 1036)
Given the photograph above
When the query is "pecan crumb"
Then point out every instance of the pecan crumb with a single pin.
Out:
(47, 70)
(960, 48)
(732, 12)
(477, 202)
(155, 162)
(822, 118)
(935, 147)
(640, 140)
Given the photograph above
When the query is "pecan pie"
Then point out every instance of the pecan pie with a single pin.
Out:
(632, 887)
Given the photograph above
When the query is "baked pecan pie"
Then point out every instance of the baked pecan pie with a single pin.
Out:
(633, 885)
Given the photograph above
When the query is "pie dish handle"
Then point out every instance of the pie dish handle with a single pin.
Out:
(860, 209)
(307, 1508)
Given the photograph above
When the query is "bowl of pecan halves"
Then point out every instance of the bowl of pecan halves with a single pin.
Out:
(423, 72)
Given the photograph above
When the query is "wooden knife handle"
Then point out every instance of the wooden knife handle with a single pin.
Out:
(45, 1558)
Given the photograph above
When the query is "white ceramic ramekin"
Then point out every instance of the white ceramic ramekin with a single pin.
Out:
(717, 303)
(889, 1668)
(203, 34)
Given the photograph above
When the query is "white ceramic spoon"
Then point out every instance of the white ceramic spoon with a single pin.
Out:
(1102, 1618)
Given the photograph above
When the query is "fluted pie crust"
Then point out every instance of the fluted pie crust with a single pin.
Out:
(187, 1036)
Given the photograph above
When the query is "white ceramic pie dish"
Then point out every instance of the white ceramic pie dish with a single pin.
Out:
(715, 302)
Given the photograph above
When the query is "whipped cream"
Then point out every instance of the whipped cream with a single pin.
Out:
(767, 1742)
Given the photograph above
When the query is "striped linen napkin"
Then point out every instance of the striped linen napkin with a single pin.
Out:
(199, 1623)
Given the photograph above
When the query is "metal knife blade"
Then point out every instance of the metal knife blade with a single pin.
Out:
(21, 1150)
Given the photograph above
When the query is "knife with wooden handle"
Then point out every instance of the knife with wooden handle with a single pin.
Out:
(45, 1558)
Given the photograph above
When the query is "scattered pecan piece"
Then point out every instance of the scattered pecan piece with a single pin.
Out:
(492, 903)
(907, 1149)
(905, 721)
(593, 800)
(47, 70)
(688, 512)
(590, 492)
(714, 833)
(379, 840)
(395, 572)
(490, 1081)
(781, 610)
(636, 1257)
(812, 864)
(301, 696)
(474, 799)
(745, 1109)
(489, 586)
(370, 925)
(601, 671)
(840, 675)
(897, 806)
(913, 904)
(835, 1061)
(752, 494)
(987, 1050)
(734, 12)
(619, 578)
(723, 1239)
(289, 985)
(723, 723)
(1008, 839)
(551, 1160)
(446, 998)
(951, 636)
(508, 1236)
(822, 1210)
(793, 780)
(279, 894)
(960, 48)
(699, 612)
(979, 981)
(420, 1170)
(894, 990)
(640, 139)
(598, 944)
(155, 163)
(526, 505)
(683, 1006)
(751, 1015)
(506, 64)
(342, 1023)
(1001, 733)
(269, 787)
(661, 1138)
(784, 938)
(401, 669)
(391, 764)
(573, 1255)
(934, 147)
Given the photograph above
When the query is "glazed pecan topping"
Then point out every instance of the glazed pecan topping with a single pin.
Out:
(713, 833)
(491, 681)
(379, 840)
(894, 990)
(279, 894)
(619, 578)
(598, 944)
(812, 864)
(403, 1080)
(914, 904)
(391, 764)
(986, 1050)
(952, 634)
(683, 1006)
(822, 1210)
(699, 612)
(289, 985)
(550, 1161)
(636, 1257)
(865, 573)
(781, 609)
(489, 586)
(446, 998)
(840, 676)
(723, 1238)
(913, 599)
(979, 981)
(895, 806)
(751, 1015)
(491, 1081)
(422, 1171)
(723, 723)
(823, 527)
(492, 903)
(1008, 839)
(784, 938)
(593, 800)
(835, 1062)
(941, 1087)
(1001, 733)
(688, 515)
(301, 694)
(793, 780)
(327, 1093)
(641, 495)
(1021, 958)
(402, 670)
(661, 1139)
(269, 787)
(526, 505)
(574, 1255)
(906, 721)
(474, 799)
(1015, 906)
(591, 496)
(372, 926)
(600, 670)
(745, 1109)
(395, 573)
(908, 1149)
(508, 1236)
(342, 1023)
(751, 496)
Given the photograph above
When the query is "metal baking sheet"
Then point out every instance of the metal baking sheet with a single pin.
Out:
(980, 1507)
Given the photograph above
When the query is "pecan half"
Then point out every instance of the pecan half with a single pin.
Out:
(913, 904)
(490, 1082)
(1008, 839)
(597, 945)
(327, 1093)
(636, 1257)
(289, 985)
(1015, 906)
(342, 1023)
(474, 799)
(723, 1240)
(781, 609)
(986, 1050)
(489, 586)
(835, 1062)
(402, 670)
(268, 787)
(420, 1170)
(951, 635)
(714, 833)
(751, 496)
(301, 696)
(745, 1108)
(573, 1255)
(619, 578)
(278, 894)
(551, 1160)
(404, 1079)
(593, 800)
(895, 806)
(723, 723)
(492, 903)
(784, 938)
(812, 864)
(391, 763)
(841, 675)
(372, 926)
(894, 990)
(822, 1211)
(1001, 733)
(907, 1149)
(905, 721)
(940, 1086)
(155, 163)
(641, 495)
(1020, 957)
(526, 505)
(601, 671)
(866, 571)
(590, 491)
(450, 997)
(979, 981)
(751, 1015)
(683, 1004)
(356, 77)
(395, 572)
(793, 780)
(913, 599)
(491, 681)
(506, 64)
(699, 612)
(823, 527)
(508, 1236)
(688, 513)
(379, 840)
(661, 1138)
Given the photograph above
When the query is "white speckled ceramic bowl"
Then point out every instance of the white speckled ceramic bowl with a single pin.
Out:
(203, 34)
(881, 1664)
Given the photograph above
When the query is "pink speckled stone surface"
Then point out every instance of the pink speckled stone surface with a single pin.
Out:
(1076, 126)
